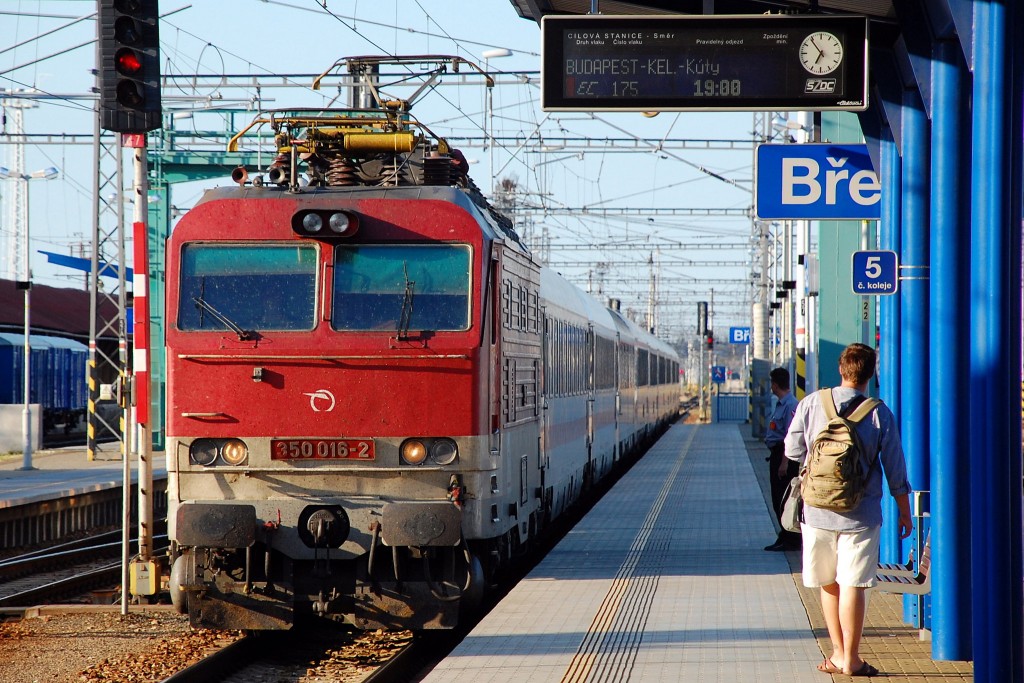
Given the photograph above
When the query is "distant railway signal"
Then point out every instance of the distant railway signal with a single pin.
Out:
(129, 66)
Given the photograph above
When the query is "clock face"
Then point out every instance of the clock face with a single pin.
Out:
(821, 53)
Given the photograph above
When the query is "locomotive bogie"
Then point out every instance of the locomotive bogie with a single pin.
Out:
(259, 588)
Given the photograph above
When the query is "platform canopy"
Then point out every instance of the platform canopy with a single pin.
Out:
(881, 10)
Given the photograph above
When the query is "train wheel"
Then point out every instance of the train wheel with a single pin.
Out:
(476, 586)
(182, 574)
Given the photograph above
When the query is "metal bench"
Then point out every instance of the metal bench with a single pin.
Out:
(901, 568)
(918, 583)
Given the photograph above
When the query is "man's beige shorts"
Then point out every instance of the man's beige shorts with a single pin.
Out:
(849, 558)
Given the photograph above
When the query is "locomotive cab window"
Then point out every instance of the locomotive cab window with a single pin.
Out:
(247, 289)
(401, 287)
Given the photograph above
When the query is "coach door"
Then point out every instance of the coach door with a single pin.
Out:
(591, 383)
(618, 399)
(545, 414)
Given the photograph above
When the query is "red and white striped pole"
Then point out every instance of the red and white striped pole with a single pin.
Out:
(140, 357)
(140, 297)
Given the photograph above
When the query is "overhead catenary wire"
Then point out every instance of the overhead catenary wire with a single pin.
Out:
(582, 182)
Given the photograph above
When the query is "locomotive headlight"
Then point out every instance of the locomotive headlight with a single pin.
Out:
(324, 223)
(234, 452)
(343, 224)
(413, 452)
(203, 452)
(443, 452)
(312, 222)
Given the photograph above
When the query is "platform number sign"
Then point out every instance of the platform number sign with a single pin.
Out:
(875, 272)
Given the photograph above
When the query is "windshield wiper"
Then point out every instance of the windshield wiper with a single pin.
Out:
(405, 317)
(203, 304)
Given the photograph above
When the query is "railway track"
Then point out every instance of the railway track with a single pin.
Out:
(65, 571)
(326, 652)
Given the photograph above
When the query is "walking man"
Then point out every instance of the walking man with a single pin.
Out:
(781, 469)
(841, 548)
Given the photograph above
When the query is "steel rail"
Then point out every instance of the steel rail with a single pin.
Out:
(234, 658)
(22, 566)
(73, 585)
(220, 664)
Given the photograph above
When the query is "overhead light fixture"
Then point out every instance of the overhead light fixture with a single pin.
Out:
(496, 53)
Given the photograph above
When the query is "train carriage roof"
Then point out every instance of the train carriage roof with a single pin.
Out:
(642, 336)
(41, 341)
(559, 292)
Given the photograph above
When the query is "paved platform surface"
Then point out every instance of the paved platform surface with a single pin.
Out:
(666, 580)
(64, 472)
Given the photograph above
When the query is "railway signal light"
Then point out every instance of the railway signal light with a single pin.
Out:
(129, 66)
(702, 317)
(710, 340)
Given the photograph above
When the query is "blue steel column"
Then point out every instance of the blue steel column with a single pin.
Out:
(914, 302)
(890, 176)
(948, 287)
(997, 601)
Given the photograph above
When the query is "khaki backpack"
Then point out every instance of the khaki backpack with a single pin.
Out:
(835, 474)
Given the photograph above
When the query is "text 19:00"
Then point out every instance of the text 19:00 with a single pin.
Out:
(708, 87)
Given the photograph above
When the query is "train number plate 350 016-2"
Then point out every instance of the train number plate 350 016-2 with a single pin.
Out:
(321, 449)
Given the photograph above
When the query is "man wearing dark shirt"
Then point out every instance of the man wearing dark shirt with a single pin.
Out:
(781, 470)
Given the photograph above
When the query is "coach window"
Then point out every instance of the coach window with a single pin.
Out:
(401, 286)
(604, 364)
(247, 289)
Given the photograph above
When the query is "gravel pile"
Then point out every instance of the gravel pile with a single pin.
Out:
(88, 647)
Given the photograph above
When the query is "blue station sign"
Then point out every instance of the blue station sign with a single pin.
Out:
(875, 272)
(739, 335)
(816, 181)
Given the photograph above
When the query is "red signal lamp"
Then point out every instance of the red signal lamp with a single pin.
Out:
(127, 62)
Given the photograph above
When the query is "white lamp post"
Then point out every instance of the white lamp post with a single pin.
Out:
(26, 284)
(488, 55)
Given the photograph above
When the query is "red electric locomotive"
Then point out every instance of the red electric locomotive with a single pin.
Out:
(375, 396)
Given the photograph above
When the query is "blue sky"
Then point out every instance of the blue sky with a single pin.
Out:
(258, 37)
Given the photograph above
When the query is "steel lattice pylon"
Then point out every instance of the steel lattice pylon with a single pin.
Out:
(107, 305)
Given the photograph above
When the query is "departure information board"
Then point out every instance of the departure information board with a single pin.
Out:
(704, 63)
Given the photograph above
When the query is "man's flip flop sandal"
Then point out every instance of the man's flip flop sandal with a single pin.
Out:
(865, 670)
(828, 667)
